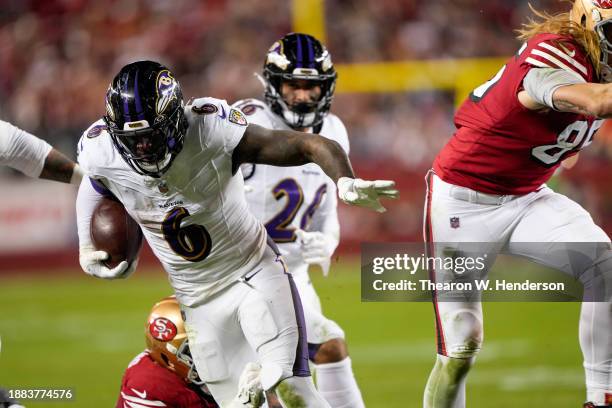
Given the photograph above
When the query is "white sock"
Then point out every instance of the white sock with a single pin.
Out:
(446, 384)
(338, 386)
(596, 344)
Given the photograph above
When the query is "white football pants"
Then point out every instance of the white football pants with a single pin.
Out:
(455, 214)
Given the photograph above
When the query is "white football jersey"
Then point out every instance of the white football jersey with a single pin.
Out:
(21, 150)
(195, 217)
(288, 198)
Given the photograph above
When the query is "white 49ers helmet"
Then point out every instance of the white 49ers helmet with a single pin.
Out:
(166, 340)
(596, 15)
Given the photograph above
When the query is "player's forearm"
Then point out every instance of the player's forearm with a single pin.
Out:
(329, 156)
(586, 99)
(60, 168)
(290, 148)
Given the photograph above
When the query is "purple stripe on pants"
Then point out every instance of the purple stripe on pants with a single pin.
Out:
(300, 366)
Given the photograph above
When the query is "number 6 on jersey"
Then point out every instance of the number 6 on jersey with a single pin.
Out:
(191, 242)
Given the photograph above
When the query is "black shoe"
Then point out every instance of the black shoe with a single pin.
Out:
(591, 405)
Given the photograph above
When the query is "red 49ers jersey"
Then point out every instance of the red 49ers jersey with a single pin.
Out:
(500, 147)
(146, 384)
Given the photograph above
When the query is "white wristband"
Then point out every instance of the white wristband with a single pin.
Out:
(77, 175)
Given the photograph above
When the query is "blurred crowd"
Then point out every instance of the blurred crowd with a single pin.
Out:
(58, 56)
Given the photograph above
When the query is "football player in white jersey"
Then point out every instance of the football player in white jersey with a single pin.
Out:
(176, 169)
(298, 204)
(34, 157)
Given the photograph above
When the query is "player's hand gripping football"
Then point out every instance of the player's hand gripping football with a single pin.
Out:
(92, 262)
(366, 193)
(316, 247)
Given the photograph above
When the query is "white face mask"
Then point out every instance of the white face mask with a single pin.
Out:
(301, 120)
(155, 167)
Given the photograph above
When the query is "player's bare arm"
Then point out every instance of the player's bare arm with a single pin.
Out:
(60, 168)
(587, 99)
(291, 148)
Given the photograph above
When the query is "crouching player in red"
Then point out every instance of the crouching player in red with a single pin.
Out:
(164, 374)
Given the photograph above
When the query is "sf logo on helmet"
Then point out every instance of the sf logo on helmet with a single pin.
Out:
(162, 329)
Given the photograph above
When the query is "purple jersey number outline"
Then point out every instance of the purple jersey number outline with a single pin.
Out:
(279, 227)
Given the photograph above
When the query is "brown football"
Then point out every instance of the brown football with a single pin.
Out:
(114, 231)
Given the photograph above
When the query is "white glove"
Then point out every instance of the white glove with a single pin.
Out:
(250, 391)
(366, 193)
(317, 248)
(91, 263)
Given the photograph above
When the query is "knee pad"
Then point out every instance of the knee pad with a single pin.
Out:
(463, 332)
(258, 323)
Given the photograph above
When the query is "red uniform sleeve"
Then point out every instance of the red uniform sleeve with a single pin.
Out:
(560, 53)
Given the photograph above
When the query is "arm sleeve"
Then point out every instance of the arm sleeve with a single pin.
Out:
(87, 199)
(21, 150)
(541, 83)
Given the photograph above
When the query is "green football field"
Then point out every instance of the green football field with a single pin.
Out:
(67, 330)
